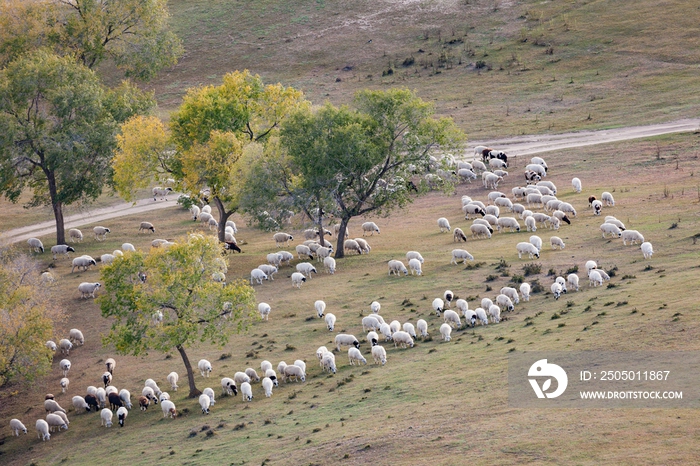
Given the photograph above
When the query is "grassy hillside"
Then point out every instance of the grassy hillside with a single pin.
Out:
(498, 67)
(438, 402)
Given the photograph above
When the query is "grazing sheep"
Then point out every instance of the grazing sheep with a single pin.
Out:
(481, 316)
(576, 184)
(512, 293)
(330, 321)
(556, 241)
(438, 305)
(462, 305)
(369, 227)
(461, 255)
(172, 378)
(531, 177)
(536, 241)
(354, 355)
(597, 207)
(561, 216)
(572, 279)
(101, 233)
(394, 326)
(472, 209)
(562, 283)
(504, 202)
(556, 290)
(204, 367)
(610, 228)
(448, 296)
(83, 262)
(595, 278)
(607, 198)
(229, 387)
(486, 303)
(17, 426)
(525, 291)
(250, 372)
(370, 323)
(35, 245)
(75, 235)
(64, 384)
(42, 428)
(264, 310)
(352, 245)
(527, 248)
(328, 362)
(537, 169)
(567, 208)
(508, 222)
(478, 165)
(402, 338)
(65, 346)
(80, 403)
(312, 233)
(458, 236)
(64, 365)
(297, 279)
(479, 229)
(491, 180)
(144, 403)
(87, 290)
(590, 265)
(343, 339)
(633, 236)
(647, 249)
(329, 265)
(495, 313)
(320, 307)
(306, 268)
(409, 328)
(531, 224)
(504, 302)
(51, 345)
(302, 249)
(76, 336)
(422, 326)
(162, 192)
(47, 277)
(378, 354)
(282, 238)
(322, 253)
(452, 318)
(61, 249)
(534, 198)
(267, 386)
(168, 408)
(292, 371)
(446, 331)
(107, 379)
(493, 211)
(385, 330)
(121, 415)
(258, 276)
(106, 417)
(414, 255)
(114, 400)
(444, 224)
(147, 226)
(466, 174)
(415, 266)
(396, 266)
(552, 222)
(205, 402)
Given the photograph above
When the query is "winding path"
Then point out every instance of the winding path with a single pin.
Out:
(515, 146)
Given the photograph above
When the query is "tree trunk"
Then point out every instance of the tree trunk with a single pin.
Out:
(319, 222)
(194, 392)
(340, 249)
(57, 208)
(223, 217)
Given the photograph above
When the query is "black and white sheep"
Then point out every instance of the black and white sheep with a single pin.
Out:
(35, 245)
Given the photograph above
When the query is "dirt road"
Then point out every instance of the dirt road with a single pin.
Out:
(516, 146)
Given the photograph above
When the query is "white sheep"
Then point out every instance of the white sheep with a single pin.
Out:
(572, 279)
(297, 279)
(229, 387)
(473, 209)
(168, 408)
(264, 310)
(35, 245)
(354, 355)
(556, 290)
(64, 365)
(446, 331)
(422, 326)
(76, 336)
(491, 180)
(495, 313)
(633, 236)
(494, 211)
(330, 321)
(204, 367)
(329, 265)
(161, 192)
(466, 174)
(17, 426)
(647, 249)
(83, 262)
(267, 386)
(415, 266)
(106, 417)
(320, 307)
(396, 266)
(576, 184)
(556, 241)
(206, 209)
(282, 238)
(530, 223)
(508, 222)
(204, 403)
(595, 278)
(64, 384)
(394, 326)
(125, 396)
(512, 293)
(328, 362)
(371, 323)
(42, 428)
(525, 291)
(438, 305)
(87, 289)
(378, 354)
(75, 235)
(258, 276)
(250, 372)
(322, 253)
(527, 248)
(448, 296)
(590, 265)
(443, 224)
(375, 306)
(504, 202)
(537, 169)
(306, 268)
(452, 318)
(101, 233)
(481, 316)
(272, 375)
(51, 345)
(385, 330)
(343, 339)
(607, 198)
(461, 255)
(65, 346)
(265, 365)
(497, 163)
(402, 338)
(479, 229)
(562, 283)
(293, 371)
(567, 208)
(410, 329)
(172, 378)
(61, 249)
(504, 302)
(369, 227)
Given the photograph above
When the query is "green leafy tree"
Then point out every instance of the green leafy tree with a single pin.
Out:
(57, 130)
(133, 35)
(179, 287)
(211, 142)
(27, 317)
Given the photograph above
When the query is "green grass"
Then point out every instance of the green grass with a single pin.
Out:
(548, 66)
(445, 400)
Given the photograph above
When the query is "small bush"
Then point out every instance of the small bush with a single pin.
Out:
(531, 269)
(480, 64)
(551, 272)
(570, 304)
(490, 278)
(517, 279)
(573, 269)
(536, 287)
(475, 265)
(502, 265)
(488, 288)
(555, 316)
(408, 62)
(648, 268)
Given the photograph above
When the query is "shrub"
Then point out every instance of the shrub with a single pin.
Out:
(531, 269)
(536, 287)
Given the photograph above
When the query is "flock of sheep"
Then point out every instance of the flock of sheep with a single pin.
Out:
(537, 194)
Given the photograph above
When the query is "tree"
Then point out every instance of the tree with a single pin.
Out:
(57, 130)
(131, 34)
(179, 284)
(212, 138)
(357, 159)
(27, 317)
